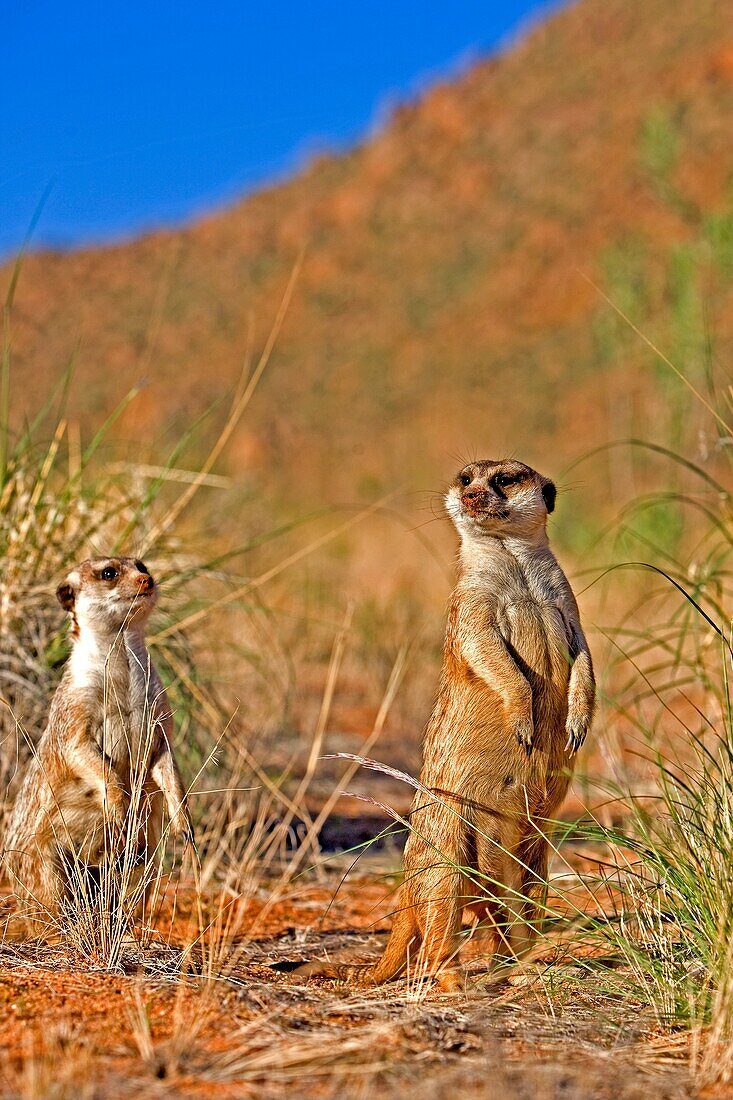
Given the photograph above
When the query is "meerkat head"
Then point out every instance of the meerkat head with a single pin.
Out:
(503, 498)
(108, 594)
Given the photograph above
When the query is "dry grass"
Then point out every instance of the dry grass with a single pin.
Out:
(630, 989)
(199, 1009)
(264, 1032)
(443, 267)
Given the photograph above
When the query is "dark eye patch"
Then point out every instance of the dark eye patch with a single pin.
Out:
(142, 567)
(503, 481)
(465, 479)
(109, 573)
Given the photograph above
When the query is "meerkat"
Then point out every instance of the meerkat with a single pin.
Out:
(105, 764)
(514, 705)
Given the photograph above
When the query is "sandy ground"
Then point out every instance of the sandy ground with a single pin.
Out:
(238, 1021)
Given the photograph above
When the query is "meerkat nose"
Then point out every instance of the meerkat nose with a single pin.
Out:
(145, 582)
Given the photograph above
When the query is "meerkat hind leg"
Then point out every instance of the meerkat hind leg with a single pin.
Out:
(534, 854)
(40, 885)
(502, 874)
(487, 917)
(145, 879)
(439, 917)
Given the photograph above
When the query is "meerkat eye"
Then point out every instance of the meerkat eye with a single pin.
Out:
(503, 480)
(142, 567)
(109, 573)
(465, 479)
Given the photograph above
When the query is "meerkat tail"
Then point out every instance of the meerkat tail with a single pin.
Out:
(404, 934)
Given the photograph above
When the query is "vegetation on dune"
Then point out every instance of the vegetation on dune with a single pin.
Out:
(668, 913)
(443, 295)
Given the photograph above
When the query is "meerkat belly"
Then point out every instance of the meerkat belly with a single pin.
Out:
(125, 726)
(472, 715)
(125, 736)
(491, 766)
(74, 820)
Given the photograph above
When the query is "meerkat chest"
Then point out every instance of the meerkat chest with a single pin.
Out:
(539, 634)
(120, 688)
(532, 620)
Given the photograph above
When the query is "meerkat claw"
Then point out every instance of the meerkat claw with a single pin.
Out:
(524, 733)
(577, 729)
(184, 832)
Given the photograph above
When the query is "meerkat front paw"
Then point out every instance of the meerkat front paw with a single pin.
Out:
(182, 826)
(524, 732)
(114, 804)
(576, 727)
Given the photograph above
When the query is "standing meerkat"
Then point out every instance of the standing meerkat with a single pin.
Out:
(96, 783)
(514, 705)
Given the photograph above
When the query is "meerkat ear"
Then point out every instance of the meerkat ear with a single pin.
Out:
(66, 595)
(549, 493)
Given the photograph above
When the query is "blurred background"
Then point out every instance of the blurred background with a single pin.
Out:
(391, 238)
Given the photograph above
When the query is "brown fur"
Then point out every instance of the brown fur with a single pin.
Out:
(105, 762)
(515, 703)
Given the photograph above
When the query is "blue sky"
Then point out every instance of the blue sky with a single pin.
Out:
(143, 114)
